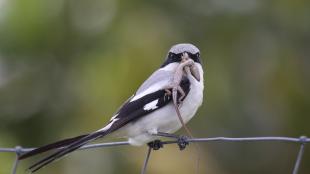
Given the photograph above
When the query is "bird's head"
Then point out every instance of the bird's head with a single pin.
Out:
(181, 52)
(177, 51)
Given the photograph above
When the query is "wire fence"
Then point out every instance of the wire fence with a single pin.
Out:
(301, 141)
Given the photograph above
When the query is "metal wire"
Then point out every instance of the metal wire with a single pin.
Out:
(146, 161)
(16, 162)
(303, 140)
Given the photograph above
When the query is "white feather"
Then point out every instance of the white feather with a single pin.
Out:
(170, 67)
(151, 105)
(149, 90)
(157, 81)
(165, 119)
(185, 47)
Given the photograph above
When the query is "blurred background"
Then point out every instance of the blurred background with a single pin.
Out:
(67, 65)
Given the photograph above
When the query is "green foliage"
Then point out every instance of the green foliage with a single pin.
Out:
(66, 66)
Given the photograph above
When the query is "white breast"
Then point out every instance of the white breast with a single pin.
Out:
(194, 98)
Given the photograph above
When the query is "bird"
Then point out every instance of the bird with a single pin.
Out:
(145, 114)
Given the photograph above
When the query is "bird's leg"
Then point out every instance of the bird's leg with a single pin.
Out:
(181, 139)
(182, 142)
(156, 144)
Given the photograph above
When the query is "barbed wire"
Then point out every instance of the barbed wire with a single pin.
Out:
(302, 141)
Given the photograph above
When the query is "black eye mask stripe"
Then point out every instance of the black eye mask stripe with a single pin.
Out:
(172, 57)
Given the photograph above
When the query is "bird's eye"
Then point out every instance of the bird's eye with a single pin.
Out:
(195, 57)
(175, 57)
(192, 56)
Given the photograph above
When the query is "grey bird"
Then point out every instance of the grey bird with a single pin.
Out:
(145, 114)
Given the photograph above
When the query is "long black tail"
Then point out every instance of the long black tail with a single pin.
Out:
(55, 145)
(72, 144)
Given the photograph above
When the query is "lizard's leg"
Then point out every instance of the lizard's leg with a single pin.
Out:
(182, 94)
(167, 91)
(175, 91)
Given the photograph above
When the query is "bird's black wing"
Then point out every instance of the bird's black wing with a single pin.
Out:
(130, 111)
(55, 145)
(133, 110)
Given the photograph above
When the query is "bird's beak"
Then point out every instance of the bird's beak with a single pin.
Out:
(195, 72)
(193, 68)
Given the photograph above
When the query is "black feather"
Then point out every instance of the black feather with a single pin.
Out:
(129, 112)
(175, 58)
(55, 145)
(132, 111)
(73, 146)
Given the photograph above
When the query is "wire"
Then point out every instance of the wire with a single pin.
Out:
(303, 140)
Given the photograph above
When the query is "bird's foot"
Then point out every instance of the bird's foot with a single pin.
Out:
(156, 144)
(182, 142)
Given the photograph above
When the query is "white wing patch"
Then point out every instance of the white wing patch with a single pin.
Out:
(151, 105)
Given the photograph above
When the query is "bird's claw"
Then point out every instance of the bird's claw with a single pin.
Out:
(156, 144)
(182, 142)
